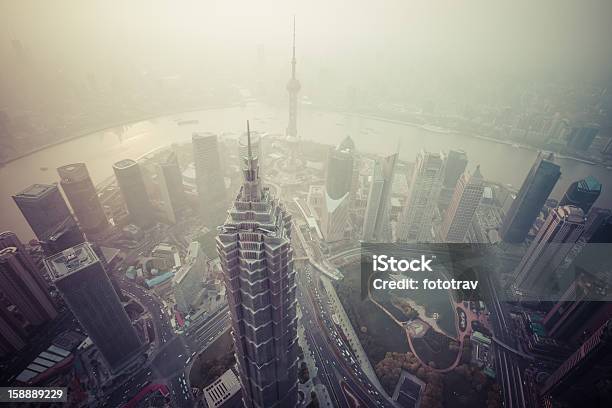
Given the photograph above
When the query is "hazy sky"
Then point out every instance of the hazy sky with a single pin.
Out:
(447, 36)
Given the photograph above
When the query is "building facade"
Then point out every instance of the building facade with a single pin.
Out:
(416, 220)
(171, 187)
(134, 192)
(556, 238)
(188, 282)
(530, 199)
(376, 221)
(80, 277)
(463, 205)
(254, 246)
(22, 283)
(582, 194)
(45, 210)
(82, 197)
(210, 184)
(338, 184)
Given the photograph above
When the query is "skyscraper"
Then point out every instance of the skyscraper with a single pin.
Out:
(460, 213)
(81, 279)
(338, 183)
(254, 246)
(12, 335)
(171, 186)
(581, 309)
(134, 192)
(376, 222)
(209, 177)
(530, 199)
(293, 87)
(188, 281)
(581, 136)
(45, 210)
(557, 236)
(83, 198)
(22, 283)
(416, 220)
(582, 193)
(456, 162)
(583, 379)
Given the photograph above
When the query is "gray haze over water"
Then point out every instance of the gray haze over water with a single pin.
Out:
(499, 162)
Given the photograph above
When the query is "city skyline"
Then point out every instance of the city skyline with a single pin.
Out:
(156, 254)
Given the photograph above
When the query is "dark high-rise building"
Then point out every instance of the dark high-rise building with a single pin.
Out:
(338, 184)
(134, 192)
(530, 199)
(82, 197)
(598, 226)
(557, 236)
(582, 193)
(44, 209)
(581, 310)
(339, 176)
(209, 176)
(456, 162)
(81, 279)
(583, 379)
(12, 334)
(581, 137)
(65, 236)
(22, 283)
(254, 246)
(171, 186)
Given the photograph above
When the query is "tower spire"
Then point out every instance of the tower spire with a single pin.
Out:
(293, 60)
(293, 87)
(250, 152)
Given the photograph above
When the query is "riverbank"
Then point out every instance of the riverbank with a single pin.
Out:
(445, 131)
(131, 121)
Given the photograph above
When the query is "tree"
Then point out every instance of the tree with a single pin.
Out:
(303, 374)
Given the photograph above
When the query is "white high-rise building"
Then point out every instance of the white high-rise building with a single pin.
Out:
(464, 202)
(415, 224)
(188, 282)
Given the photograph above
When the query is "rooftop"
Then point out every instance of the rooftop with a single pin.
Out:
(36, 191)
(123, 164)
(589, 184)
(71, 260)
(222, 389)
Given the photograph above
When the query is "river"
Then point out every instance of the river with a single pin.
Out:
(99, 150)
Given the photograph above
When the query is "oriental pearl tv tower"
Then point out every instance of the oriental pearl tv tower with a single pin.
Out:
(293, 87)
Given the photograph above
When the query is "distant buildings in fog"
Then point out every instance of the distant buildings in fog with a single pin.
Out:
(209, 176)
